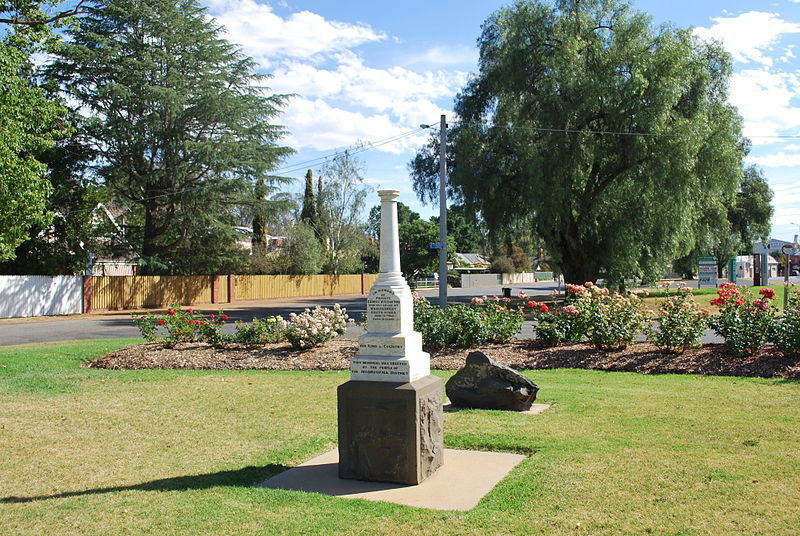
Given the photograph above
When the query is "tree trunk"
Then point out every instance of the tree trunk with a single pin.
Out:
(149, 245)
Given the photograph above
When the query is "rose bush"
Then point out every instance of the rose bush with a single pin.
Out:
(562, 324)
(786, 330)
(314, 327)
(680, 323)
(484, 320)
(181, 325)
(744, 322)
(609, 321)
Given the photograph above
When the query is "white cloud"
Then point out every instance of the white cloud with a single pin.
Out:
(340, 99)
(764, 100)
(779, 159)
(446, 55)
(405, 94)
(266, 36)
(748, 35)
(317, 125)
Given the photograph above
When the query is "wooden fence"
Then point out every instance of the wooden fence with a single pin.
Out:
(132, 292)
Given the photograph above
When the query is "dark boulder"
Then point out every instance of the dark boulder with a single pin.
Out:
(486, 384)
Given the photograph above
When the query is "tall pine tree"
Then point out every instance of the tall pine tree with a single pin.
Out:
(309, 212)
(180, 124)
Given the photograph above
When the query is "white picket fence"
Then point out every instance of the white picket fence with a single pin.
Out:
(40, 295)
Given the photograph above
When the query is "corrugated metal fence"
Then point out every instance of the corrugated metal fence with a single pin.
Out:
(252, 287)
(40, 295)
(132, 292)
(22, 296)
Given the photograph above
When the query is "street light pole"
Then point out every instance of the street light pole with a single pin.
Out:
(443, 213)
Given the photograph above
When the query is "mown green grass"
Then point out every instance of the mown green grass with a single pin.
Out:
(88, 451)
(703, 297)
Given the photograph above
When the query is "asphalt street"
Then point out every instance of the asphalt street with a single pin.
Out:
(115, 325)
(118, 324)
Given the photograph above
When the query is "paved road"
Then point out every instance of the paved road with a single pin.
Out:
(118, 324)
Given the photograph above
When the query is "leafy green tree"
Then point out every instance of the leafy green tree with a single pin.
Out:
(404, 215)
(179, 120)
(464, 228)
(341, 200)
(731, 227)
(302, 253)
(751, 215)
(63, 245)
(415, 237)
(36, 16)
(30, 122)
(603, 133)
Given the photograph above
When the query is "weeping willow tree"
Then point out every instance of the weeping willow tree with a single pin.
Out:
(585, 125)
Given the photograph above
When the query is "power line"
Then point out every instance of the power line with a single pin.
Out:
(293, 168)
(355, 150)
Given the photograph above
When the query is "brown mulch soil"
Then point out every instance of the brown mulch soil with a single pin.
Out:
(519, 354)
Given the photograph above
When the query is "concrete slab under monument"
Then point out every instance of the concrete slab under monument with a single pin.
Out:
(536, 409)
(459, 484)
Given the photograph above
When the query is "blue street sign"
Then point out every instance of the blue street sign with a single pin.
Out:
(435, 246)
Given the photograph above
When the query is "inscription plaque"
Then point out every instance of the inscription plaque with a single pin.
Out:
(383, 306)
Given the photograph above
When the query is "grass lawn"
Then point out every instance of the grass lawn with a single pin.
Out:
(703, 297)
(88, 451)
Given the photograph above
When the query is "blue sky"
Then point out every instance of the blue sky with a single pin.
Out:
(367, 71)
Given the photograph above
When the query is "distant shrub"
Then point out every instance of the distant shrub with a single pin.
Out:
(261, 331)
(502, 265)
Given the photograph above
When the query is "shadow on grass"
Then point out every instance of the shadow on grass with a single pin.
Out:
(244, 477)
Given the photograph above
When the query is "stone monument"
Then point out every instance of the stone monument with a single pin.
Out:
(390, 412)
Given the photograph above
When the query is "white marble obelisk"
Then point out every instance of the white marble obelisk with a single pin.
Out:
(390, 351)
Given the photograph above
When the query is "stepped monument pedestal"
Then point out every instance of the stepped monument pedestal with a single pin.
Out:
(390, 412)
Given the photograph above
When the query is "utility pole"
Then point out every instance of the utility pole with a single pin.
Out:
(443, 213)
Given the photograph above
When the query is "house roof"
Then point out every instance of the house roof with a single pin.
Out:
(472, 259)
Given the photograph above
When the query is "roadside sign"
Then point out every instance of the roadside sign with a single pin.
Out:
(707, 272)
(435, 246)
(787, 249)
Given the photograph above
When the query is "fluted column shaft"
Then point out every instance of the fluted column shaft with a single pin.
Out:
(390, 240)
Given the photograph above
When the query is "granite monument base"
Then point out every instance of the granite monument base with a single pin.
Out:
(390, 432)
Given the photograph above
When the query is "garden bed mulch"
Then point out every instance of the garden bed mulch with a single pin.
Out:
(520, 354)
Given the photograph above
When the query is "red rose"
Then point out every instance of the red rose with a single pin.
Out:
(531, 304)
(768, 293)
(740, 301)
(224, 317)
(160, 321)
(171, 312)
(544, 308)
